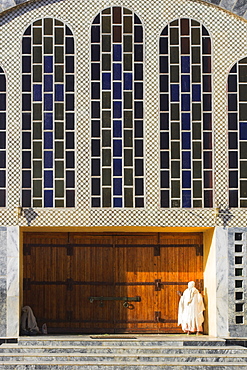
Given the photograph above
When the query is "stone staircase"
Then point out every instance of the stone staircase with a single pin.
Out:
(139, 352)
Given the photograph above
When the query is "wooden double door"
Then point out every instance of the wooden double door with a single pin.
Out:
(109, 283)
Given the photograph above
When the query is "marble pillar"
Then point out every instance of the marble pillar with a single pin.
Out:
(216, 281)
(9, 282)
(222, 277)
(13, 286)
(3, 281)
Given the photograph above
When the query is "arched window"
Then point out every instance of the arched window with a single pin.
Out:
(117, 166)
(186, 162)
(48, 115)
(237, 134)
(3, 175)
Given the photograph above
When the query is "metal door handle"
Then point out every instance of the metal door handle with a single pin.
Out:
(126, 300)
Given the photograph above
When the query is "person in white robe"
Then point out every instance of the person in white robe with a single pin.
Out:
(190, 310)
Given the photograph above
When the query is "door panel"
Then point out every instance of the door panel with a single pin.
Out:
(180, 261)
(46, 273)
(134, 277)
(92, 272)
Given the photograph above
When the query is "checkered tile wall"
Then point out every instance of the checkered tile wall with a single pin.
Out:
(229, 40)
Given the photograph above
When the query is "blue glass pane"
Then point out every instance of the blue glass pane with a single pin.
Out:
(117, 167)
(185, 102)
(117, 53)
(26, 120)
(48, 195)
(59, 92)
(186, 160)
(127, 81)
(48, 100)
(106, 81)
(3, 121)
(117, 109)
(117, 148)
(117, 90)
(185, 64)
(164, 64)
(48, 140)
(185, 121)
(186, 140)
(234, 69)
(2, 101)
(196, 92)
(117, 71)
(48, 64)
(117, 202)
(186, 179)
(48, 179)
(37, 92)
(48, 159)
(26, 64)
(117, 186)
(117, 128)
(48, 83)
(48, 124)
(175, 92)
(26, 103)
(185, 82)
(186, 198)
(243, 130)
(165, 31)
(69, 60)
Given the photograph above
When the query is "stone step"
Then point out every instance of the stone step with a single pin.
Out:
(120, 366)
(86, 341)
(127, 358)
(16, 348)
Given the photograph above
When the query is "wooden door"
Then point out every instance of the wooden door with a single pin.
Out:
(67, 274)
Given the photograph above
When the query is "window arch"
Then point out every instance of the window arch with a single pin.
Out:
(117, 164)
(237, 134)
(48, 115)
(186, 175)
(3, 153)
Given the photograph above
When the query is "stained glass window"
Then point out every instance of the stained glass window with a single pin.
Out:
(117, 164)
(48, 115)
(237, 134)
(3, 179)
(185, 81)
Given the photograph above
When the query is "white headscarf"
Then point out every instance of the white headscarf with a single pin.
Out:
(192, 289)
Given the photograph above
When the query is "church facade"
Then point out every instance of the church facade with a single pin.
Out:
(123, 162)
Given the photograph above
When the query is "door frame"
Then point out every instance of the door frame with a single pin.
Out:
(92, 230)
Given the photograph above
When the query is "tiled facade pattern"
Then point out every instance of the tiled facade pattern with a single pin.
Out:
(227, 48)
